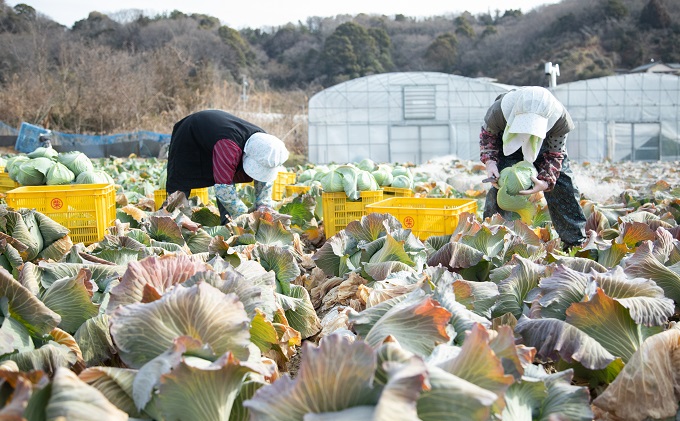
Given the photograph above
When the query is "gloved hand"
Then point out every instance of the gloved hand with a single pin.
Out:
(492, 169)
(539, 185)
(492, 172)
(265, 209)
(226, 194)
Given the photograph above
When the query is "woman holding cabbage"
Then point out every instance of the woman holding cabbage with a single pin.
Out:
(530, 124)
(213, 147)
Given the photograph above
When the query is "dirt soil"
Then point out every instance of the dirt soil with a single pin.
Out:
(293, 365)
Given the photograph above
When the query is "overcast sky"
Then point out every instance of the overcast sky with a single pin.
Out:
(264, 13)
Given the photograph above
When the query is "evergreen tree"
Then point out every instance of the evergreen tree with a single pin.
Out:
(615, 9)
(442, 53)
(655, 15)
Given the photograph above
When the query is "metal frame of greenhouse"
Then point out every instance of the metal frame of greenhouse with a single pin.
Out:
(417, 116)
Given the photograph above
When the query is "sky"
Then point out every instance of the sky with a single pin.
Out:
(267, 13)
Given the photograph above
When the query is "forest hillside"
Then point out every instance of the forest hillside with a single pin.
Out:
(128, 71)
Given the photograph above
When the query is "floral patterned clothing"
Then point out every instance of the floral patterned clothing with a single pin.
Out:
(230, 204)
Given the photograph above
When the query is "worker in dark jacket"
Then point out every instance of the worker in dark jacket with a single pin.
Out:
(213, 147)
(531, 124)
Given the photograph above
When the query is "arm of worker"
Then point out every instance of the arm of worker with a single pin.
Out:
(263, 194)
(550, 166)
(490, 144)
(226, 194)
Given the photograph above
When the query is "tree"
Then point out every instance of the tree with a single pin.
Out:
(232, 38)
(350, 51)
(463, 26)
(384, 44)
(655, 15)
(25, 11)
(442, 53)
(615, 9)
(489, 30)
(339, 59)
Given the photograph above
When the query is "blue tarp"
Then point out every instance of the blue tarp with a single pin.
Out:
(142, 142)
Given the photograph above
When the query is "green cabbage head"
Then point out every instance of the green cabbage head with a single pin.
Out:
(75, 161)
(94, 177)
(512, 180)
(59, 174)
(33, 171)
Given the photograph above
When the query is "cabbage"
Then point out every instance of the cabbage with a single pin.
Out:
(383, 177)
(59, 174)
(94, 177)
(320, 175)
(401, 182)
(366, 165)
(343, 178)
(33, 171)
(13, 165)
(512, 180)
(3, 162)
(402, 171)
(331, 182)
(306, 175)
(44, 153)
(75, 161)
(366, 181)
(163, 179)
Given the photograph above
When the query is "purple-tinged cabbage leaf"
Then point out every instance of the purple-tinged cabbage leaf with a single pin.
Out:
(648, 385)
(281, 261)
(417, 322)
(116, 386)
(321, 391)
(513, 290)
(71, 299)
(144, 331)
(546, 396)
(71, 398)
(157, 274)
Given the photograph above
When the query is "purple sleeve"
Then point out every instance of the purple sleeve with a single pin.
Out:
(489, 145)
(549, 168)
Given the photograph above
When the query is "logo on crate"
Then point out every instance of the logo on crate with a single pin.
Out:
(409, 222)
(56, 203)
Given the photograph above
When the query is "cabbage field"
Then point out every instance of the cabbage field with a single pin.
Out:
(174, 317)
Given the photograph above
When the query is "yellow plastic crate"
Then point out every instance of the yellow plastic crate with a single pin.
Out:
(160, 195)
(425, 216)
(6, 183)
(389, 192)
(282, 180)
(87, 210)
(293, 189)
(338, 211)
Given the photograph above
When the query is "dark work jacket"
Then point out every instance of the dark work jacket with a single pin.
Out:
(190, 157)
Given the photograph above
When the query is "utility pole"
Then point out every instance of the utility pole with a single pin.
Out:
(244, 89)
(552, 71)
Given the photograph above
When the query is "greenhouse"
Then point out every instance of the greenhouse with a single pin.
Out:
(399, 117)
(413, 117)
(631, 117)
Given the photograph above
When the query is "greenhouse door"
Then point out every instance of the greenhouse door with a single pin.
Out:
(637, 141)
(417, 144)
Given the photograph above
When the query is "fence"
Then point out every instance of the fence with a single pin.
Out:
(142, 143)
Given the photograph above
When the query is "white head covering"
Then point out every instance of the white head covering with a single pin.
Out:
(263, 156)
(530, 112)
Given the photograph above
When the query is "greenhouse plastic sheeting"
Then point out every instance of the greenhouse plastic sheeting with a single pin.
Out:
(142, 143)
(7, 130)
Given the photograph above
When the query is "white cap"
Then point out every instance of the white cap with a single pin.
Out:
(530, 112)
(263, 157)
